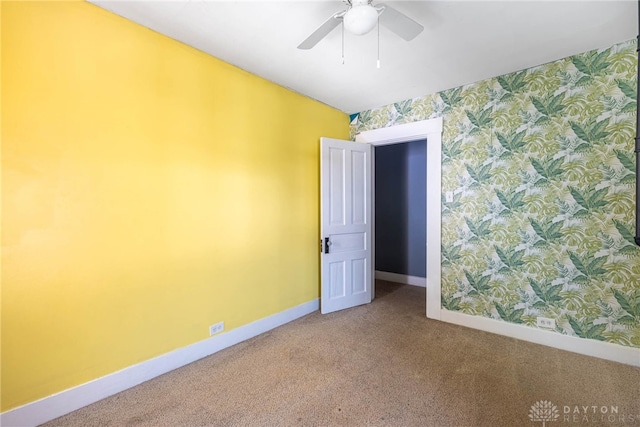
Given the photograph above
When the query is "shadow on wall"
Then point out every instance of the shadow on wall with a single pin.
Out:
(400, 208)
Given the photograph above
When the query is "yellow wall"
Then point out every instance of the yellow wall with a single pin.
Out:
(148, 191)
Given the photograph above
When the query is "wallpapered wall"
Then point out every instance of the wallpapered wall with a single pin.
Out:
(542, 169)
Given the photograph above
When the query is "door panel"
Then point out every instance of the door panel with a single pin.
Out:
(359, 274)
(359, 169)
(346, 220)
(348, 242)
(337, 279)
(337, 186)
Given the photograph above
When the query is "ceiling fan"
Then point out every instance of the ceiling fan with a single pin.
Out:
(361, 17)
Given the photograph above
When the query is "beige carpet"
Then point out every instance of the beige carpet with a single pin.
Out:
(383, 364)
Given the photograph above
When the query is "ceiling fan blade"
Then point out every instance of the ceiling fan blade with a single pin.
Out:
(322, 31)
(399, 23)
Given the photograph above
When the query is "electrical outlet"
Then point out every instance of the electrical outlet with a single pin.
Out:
(216, 329)
(448, 196)
(544, 322)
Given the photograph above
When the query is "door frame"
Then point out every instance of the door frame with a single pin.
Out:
(431, 130)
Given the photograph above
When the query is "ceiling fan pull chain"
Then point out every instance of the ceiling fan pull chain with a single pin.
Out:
(378, 41)
(342, 42)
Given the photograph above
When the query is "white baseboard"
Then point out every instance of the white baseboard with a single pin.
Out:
(602, 350)
(401, 278)
(69, 400)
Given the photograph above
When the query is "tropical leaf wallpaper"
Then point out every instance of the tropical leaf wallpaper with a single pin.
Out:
(542, 169)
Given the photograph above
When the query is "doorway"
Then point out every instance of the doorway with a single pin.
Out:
(400, 212)
(431, 130)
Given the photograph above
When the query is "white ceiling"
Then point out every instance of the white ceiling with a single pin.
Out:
(463, 41)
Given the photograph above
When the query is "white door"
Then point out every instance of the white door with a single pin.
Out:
(346, 203)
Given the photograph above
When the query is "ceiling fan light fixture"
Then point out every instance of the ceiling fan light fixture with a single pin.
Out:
(360, 19)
